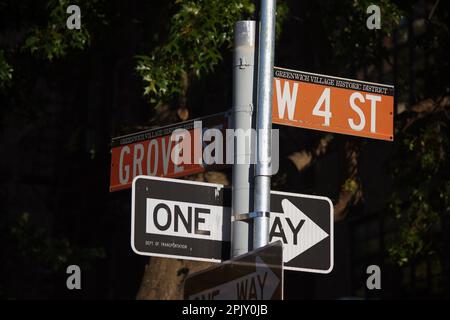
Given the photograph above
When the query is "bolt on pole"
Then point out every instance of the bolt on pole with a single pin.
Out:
(263, 170)
(242, 175)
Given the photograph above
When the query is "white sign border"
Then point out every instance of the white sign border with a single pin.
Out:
(220, 186)
(161, 255)
(331, 235)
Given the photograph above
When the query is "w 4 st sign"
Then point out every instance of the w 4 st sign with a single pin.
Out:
(315, 101)
(192, 220)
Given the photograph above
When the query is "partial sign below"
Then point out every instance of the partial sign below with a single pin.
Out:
(325, 103)
(150, 152)
(192, 220)
(257, 275)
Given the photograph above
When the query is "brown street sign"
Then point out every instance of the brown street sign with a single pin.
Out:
(332, 104)
(149, 152)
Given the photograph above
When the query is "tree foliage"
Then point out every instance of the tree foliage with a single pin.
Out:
(53, 41)
(47, 252)
(420, 170)
(351, 42)
(5, 71)
(199, 32)
(421, 201)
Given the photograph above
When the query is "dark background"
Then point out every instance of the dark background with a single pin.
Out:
(58, 118)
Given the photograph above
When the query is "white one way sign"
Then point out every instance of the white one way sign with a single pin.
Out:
(304, 223)
(192, 220)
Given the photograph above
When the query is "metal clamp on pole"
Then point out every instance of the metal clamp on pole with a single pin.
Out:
(250, 215)
(243, 108)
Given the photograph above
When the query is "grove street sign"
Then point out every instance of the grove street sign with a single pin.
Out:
(149, 152)
(257, 275)
(325, 103)
(192, 220)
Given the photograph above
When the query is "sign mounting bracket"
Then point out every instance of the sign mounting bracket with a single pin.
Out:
(251, 215)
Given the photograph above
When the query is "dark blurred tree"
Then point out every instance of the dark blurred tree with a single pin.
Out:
(34, 33)
(420, 168)
(5, 71)
(37, 258)
(421, 171)
(191, 46)
(353, 47)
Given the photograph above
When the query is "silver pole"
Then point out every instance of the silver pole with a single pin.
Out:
(263, 170)
(242, 175)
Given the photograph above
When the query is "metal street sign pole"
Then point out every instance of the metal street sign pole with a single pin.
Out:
(263, 170)
(242, 190)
